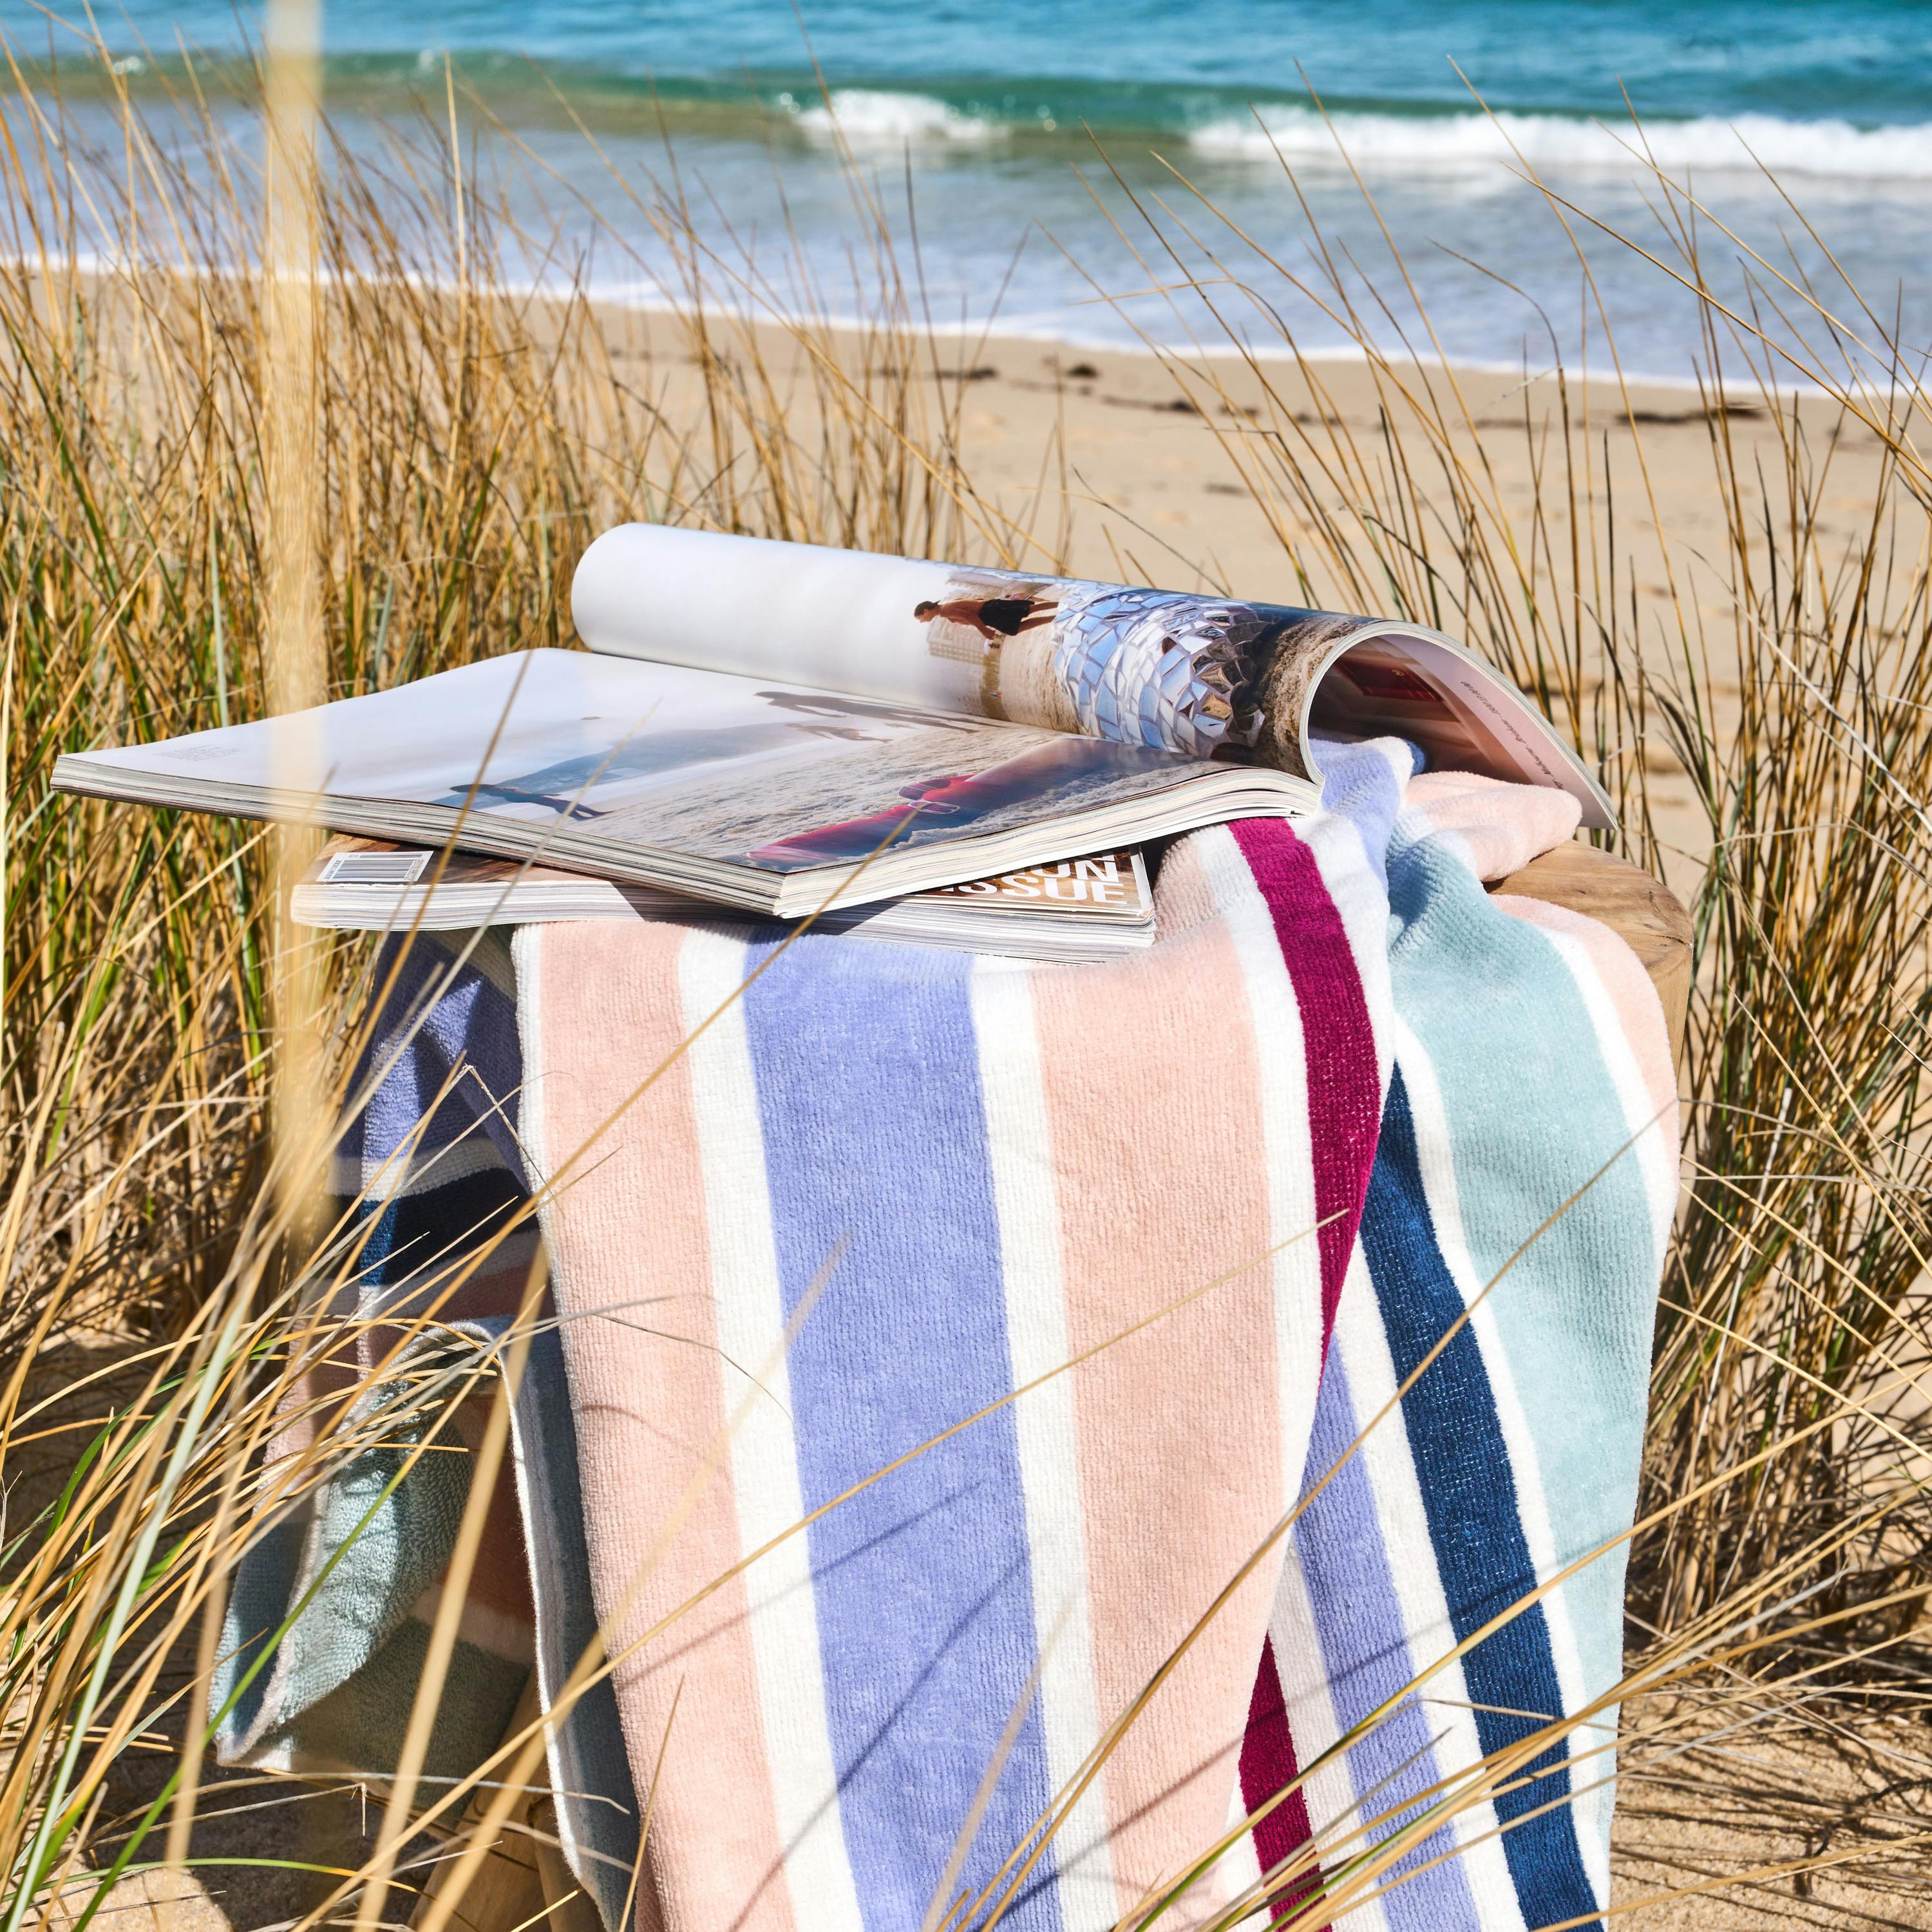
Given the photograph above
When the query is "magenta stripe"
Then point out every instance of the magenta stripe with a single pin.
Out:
(1344, 1087)
(1268, 1765)
(1344, 1116)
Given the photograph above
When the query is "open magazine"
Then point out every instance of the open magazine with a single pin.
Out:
(791, 729)
(1097, 907)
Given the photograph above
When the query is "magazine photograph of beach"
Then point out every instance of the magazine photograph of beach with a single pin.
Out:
(966, 967)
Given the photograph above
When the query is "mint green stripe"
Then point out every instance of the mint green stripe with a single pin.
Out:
(1534, 1115)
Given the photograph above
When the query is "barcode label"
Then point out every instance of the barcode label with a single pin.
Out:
(374, 869)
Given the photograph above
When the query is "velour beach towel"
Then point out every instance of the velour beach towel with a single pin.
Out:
(1053, 1445)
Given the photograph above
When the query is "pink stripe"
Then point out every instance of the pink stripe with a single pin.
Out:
(1501, 826)
(628, 1233)
(1344, 1087)
(1176, 1425)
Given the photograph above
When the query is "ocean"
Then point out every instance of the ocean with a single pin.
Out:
(1055, 167)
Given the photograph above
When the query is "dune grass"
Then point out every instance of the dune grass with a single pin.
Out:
(467, 443)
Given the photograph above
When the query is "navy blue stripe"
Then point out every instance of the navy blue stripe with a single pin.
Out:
(1468, 1493)
(393, 1238)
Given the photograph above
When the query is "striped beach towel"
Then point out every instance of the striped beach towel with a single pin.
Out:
(1062, 1446)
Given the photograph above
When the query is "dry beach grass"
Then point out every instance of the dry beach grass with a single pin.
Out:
(1727, 599)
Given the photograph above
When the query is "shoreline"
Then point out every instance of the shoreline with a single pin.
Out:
(1030, 335)
(1215, 119)
(625, 300)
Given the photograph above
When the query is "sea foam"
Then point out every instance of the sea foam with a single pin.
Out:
(867, 115)
(1784, 147)
(878, 116)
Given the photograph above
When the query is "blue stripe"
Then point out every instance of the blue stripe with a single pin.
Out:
(1468, 1493)
(386, 1241)
(869, 1094)
(417, 1043)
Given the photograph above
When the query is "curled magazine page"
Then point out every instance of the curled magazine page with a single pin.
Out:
(1186, 673)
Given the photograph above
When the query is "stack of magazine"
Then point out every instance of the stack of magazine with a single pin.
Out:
(1097, 907)
(894, 748)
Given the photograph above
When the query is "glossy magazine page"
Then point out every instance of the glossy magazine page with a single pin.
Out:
(696, 780)
(1203, 676)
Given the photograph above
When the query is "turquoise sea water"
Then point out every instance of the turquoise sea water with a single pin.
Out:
(1037, 126)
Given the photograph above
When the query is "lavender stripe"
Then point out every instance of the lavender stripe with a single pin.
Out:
(867, 1076)
(1365, 1656)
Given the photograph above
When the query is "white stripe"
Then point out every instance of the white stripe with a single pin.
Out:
(1654, 1137)
(1020, 1149)
(1361, 903)
(1281, 1070)
(783, 1618)
(1240, 1867)
(527, 950)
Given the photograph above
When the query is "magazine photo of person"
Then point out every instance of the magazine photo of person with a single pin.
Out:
(995, 618)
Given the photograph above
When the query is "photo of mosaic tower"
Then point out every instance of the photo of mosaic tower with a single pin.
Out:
(1205, 677)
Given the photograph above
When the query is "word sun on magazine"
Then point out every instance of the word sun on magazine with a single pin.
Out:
(792, 729)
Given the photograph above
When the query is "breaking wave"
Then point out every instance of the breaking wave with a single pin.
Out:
(875, 116)
(1784, 147)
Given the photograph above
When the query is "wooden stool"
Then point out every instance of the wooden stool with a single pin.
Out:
(524, 1884)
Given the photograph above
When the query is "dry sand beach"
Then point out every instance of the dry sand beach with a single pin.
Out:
(1141, 452)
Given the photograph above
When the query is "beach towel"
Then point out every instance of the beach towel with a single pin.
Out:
(1063, 1445)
